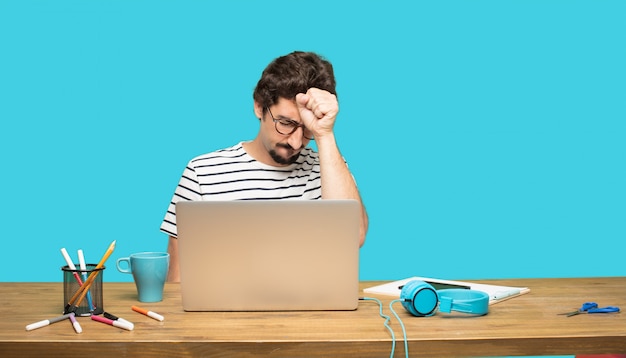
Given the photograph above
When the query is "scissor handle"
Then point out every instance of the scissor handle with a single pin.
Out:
(588, 306)
(607, 309)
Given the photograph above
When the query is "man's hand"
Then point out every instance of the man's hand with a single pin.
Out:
(318, 110)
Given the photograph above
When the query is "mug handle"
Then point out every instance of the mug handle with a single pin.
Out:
(122, 270)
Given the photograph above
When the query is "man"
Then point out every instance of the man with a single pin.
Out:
(295, 101)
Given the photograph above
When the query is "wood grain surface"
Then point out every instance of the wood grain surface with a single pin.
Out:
(525, 325)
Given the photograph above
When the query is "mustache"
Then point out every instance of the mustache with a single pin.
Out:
(288, 146)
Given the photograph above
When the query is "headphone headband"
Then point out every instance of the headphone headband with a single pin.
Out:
(461, 300)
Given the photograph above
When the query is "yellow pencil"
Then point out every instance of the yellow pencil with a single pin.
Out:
(82, 290)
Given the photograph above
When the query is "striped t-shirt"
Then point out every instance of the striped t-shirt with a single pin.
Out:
(232, 174)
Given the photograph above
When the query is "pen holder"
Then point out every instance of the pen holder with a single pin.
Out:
(92, 302)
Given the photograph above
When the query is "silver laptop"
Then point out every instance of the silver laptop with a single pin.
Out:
(264, 255)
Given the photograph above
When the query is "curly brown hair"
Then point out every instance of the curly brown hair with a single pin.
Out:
(291, 74)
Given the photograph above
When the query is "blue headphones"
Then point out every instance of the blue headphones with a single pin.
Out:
(421, 299)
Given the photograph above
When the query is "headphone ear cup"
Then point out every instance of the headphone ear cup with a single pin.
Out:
(419, 298)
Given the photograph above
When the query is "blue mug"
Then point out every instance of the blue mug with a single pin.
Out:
(149, 271)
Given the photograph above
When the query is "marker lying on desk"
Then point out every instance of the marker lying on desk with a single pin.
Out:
(75, 323)
(117, 323)
(46, 322)
(115, 318)
(151, 314)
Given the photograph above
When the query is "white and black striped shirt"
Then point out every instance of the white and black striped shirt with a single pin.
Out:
(232, 174)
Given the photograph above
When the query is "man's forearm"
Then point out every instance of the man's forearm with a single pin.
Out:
(337, 180)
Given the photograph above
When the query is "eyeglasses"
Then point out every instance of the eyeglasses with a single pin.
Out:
(287, 126)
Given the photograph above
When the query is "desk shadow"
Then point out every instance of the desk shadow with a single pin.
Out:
(126, 296)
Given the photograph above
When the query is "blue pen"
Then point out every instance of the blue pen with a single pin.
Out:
(83, 267)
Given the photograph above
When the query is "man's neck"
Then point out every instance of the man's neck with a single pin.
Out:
(257, 151)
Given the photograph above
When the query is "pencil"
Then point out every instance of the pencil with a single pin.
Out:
(80, 294)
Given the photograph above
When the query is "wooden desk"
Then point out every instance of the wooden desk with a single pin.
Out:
(526, 325)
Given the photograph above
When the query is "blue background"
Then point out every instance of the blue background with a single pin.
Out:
(487, 137)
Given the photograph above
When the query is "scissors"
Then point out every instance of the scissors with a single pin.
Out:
(591, 307)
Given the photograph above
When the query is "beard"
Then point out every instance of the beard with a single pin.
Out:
(282, 160)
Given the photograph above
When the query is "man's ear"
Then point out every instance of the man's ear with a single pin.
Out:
(258, 110)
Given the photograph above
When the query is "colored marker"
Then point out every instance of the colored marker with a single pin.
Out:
(117, 324)
(46, 322)
(77, 326)
(115, 318)
(83, 267)
(71, 265)
(150, 314)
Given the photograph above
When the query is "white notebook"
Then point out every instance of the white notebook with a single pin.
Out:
(496, 293)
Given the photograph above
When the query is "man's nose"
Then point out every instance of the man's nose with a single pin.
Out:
(296, 138)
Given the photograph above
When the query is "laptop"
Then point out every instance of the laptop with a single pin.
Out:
(283, 255)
